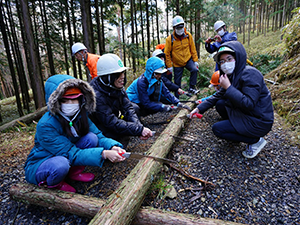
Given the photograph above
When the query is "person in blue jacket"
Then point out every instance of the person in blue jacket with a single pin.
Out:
(212, 44)
(244, 101)
(150, 93)
(66, 140)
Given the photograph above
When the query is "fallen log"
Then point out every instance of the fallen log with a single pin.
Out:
(122, 206)
(25, 119)
(89, 206)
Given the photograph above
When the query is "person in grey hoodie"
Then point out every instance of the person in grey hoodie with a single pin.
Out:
(244, 101)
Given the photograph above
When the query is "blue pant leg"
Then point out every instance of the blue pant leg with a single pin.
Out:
(53, 170)
(90, 140)
(225, 130)
(220, 107)
(178, 71)
(190, 65)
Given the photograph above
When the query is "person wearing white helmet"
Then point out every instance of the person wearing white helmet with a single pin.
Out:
(164, 77)
(89, 60)
(115, 114)
(222, 36)
(180, 51)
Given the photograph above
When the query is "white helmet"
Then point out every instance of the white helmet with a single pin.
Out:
(108, 64)
(78, 47)
(219, 24)
(177, 20)
(158, 53)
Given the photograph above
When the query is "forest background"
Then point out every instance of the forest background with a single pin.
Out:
(36, 40)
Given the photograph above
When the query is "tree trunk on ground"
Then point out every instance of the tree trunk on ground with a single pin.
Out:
(25, 119)
(122, 206)
(85, 206)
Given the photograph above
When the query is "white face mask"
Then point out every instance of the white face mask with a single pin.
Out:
(221, 32)
(179, 32)
(228, 67)
(69, 109)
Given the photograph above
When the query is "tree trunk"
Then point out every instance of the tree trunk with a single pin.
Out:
(148, 29)
(132, 35)
(62, 12)
(89, 206)
(99, 35)
(123, 205)
(249, 21)
(37, 84)
(102, 26)
(3, 28)
(167, 12)
(123, 32)
(142, 27)
(25, 119)
(157, 24)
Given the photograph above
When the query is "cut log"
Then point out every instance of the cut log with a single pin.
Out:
(122, 206)
(89, 206)
(25, 119)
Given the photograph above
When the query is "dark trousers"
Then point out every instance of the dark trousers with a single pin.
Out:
(225, 130)
(178, 71)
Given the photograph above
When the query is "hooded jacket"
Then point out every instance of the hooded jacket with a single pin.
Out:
(50, 139)
(248, 100)
(142, 87)
(181, 50)
(91, 63)
(111, 105)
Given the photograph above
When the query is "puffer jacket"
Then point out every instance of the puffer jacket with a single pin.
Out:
(142, 87)
(248, 100)
(182, 50)
(50, 139)
(91, 64)
(110, 107)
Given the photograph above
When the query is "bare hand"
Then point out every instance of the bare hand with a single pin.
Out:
(146, 133)
(208, 40)
(224, 81)
(113, 154)
(180, 91)
(218, 38)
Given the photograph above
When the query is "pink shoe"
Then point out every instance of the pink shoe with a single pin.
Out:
(75, 173)
(63, 186)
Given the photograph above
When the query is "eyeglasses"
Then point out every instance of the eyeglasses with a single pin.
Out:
(228, 59)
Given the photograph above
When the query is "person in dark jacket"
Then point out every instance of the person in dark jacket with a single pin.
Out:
(150, 93)
(244, 101)
(66, 140)
(222, 36)
(115, 115)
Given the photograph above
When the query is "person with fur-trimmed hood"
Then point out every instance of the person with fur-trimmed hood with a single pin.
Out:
(66, 140)
(244, 101)
(149, 92)
(115, 115)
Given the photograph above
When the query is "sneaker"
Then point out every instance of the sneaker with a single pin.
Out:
(254, 149)
(193, 91)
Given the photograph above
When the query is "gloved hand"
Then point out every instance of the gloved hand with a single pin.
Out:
(170, 69)
(197, 65)
(198, 101)
(196, 110)
(180, 105)
(166, 108)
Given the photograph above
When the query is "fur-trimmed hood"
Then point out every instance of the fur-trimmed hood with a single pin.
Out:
(57, 85)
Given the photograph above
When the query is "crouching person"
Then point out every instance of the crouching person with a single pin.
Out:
(66, 140)
(149, 92)
(244, 101)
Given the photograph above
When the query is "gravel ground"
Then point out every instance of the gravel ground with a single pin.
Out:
(263, 190)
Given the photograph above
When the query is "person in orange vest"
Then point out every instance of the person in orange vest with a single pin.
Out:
(180, 51)
(89, 60)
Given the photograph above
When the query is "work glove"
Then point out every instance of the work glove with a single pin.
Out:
(170, 69)
(198, 101)
(180, 105)
(197, 65)
(166, 108)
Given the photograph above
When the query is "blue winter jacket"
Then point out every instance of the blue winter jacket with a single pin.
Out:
(211, 48)
(248, 100)
(50, 139)
(142, 87)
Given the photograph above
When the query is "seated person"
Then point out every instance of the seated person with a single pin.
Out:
(244, 101)
(66, 140)
(149, 92)
(115, 115)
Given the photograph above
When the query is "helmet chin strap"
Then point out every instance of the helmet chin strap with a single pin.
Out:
(109, 85)
(82, 55)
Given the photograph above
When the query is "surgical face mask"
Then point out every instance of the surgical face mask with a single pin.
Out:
(221, 32)
(69, 109)
(228, 67)
(179, 31)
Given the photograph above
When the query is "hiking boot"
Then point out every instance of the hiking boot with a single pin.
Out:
(193, 91)
(254, 149)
